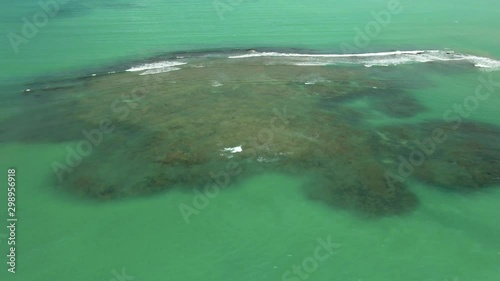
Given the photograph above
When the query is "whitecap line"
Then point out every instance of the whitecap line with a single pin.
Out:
(378, 59)
(155, 65)
(276, 54)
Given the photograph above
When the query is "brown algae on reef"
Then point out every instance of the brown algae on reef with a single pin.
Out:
(181, 124)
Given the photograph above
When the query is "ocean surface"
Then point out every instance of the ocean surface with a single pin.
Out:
(251, 140)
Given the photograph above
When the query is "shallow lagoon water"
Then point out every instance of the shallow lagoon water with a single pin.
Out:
(308, 150)
(119, 208)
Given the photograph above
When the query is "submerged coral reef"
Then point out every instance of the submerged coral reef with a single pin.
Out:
(179, 128)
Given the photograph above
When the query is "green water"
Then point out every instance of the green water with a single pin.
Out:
(106, 217)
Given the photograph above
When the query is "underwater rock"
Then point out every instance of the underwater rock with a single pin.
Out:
(45, 123)
(391, 101)
(468, 159)
(400, 105)
(364, 189)
(459, 157)
(176, 130)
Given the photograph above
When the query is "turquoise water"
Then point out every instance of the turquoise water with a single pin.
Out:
(151, 27)
(317, 179)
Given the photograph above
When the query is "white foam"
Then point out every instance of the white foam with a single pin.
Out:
(275, 54)
(374, 59)
(266, 160)
(156, 65)
(235, 149)
(485, 62)
(159, 70)
(311, 63)
(314, 80)
(216, 83)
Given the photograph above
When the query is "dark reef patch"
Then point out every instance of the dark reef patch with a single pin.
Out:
(45, 123)
(397, 104)
(180, 130)
(457, 157)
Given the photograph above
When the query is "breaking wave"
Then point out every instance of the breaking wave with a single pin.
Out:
(373, 59)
